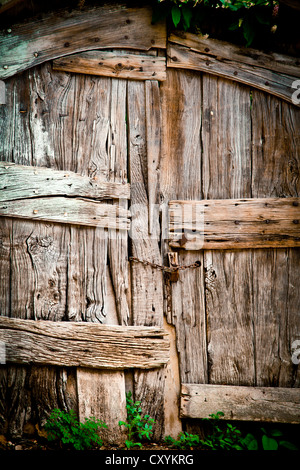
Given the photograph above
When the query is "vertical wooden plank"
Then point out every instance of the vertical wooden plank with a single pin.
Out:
(118, 240)
(147, 288)
(181, 177)
(226, 135)
(276, 290)
(95, 136)
(153, 134)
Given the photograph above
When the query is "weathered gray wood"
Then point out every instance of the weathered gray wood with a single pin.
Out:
(83, 344)
(228, 274)
(246, 55)
(63, 210)
(2, 92)
(275, 83)
(235, 223)
(147, 283)
(22, 182)
(153, 135)
(102, 394)
(241, 403)
(114, 64)
(61, 33)
(118, 164)
(275, 278)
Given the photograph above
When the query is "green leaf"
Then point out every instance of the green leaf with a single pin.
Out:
(187, 16)
(269, 443)
(248, 32)
(176, 15)
(288, 445)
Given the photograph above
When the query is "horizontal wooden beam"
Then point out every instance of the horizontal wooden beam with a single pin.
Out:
(235, 223)
(23, 182)
(83, 344)
(64, 210)
(281, 63)
(275, 83)
(64, 32)
(114, 64)
(269, 404)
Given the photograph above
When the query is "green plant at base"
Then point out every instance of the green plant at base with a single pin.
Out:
(64, 427)
(222, 437)
(272, 440)
(185, 441)
(138, 426)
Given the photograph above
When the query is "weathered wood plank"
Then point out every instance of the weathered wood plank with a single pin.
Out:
(228, 274)
(61, 33)
(83, 344)
(275, 278)
(246, 55)
(235, 223)
(114, 64)
(181, 178)
(73, 211)
(153, 134)
(147, 283)
(241, 403)
(275, 83)
(22, 182)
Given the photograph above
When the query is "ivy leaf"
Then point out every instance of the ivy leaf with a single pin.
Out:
(269, 443)
(248, 32)
(187, 16)
(176, 15)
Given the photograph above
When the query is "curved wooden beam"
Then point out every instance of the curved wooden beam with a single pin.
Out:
(62, 33)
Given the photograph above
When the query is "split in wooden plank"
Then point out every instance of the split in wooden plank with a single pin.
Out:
(74, 211)
(114, 64)
(22, 182)
(224, 50)
(61, 33)
(83, 344)
(275, 83)
(241, 403)
(235, 223)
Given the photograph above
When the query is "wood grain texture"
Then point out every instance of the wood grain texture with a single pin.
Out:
(82, 344)
(228, 275)
(275, 83)
(246, 55)
(22, 182)
(181, 178)
(114, 64)
(147, 282)
(62, 33)
(275, 173)
(235, 223)
(280, 405)
(74, 211)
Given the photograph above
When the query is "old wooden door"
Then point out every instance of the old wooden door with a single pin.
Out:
(230, 181)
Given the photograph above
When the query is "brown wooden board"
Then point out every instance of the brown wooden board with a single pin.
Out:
(82, 344)
(62, 33)
(23, 182)
(181, 178)
(117, 64)
(235, 223)
(278, 84)
(245, 55)
(147, 282)
(275, 404)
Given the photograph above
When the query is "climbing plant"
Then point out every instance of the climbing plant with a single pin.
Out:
(244, 16)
